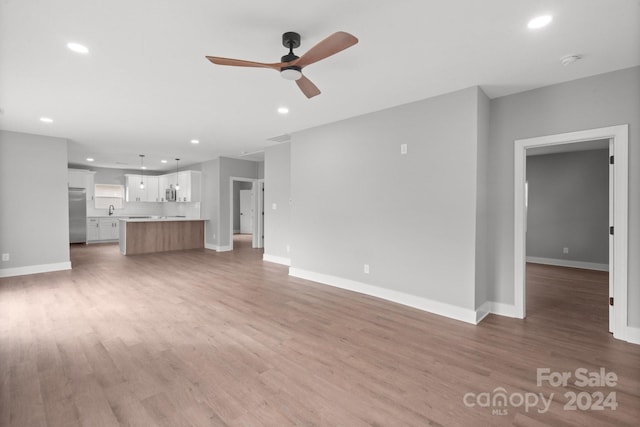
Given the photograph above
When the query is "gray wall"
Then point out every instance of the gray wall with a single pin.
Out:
(34, 207)
(569, 206)
(599, 101)
(261, 170)
(277, 189)
(483, 282)
(210, 205)
(412, 217)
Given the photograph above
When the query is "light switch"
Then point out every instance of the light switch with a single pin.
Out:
(274, 206)
(403, 148)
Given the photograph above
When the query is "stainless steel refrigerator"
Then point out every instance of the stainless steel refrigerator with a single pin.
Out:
(77, 215)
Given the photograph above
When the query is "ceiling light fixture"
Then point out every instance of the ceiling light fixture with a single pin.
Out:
(78, 48)
(540, 21)
(163, 161)
(195, 141)
(177, 183)
(46, 120)
(283, 110)
(142, 171)
(291, 73)
(90, 159)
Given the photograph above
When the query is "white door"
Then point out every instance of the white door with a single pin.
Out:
(246, 211)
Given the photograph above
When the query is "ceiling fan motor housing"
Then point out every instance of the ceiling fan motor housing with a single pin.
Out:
(291, 72)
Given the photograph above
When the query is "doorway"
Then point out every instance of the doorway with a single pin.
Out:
(567, 234)
(618, 135)
(246, 211)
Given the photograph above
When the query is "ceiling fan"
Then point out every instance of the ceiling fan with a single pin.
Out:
(291, 65)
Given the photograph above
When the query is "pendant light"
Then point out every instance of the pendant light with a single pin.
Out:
(142, 171)
(177, 183)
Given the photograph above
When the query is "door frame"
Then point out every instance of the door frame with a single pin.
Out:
(260, 216)
(618, 265)
(254, 185)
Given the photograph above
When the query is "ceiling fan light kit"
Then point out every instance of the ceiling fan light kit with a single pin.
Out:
(290, 65)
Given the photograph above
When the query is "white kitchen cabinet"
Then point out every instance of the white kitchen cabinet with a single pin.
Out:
(93, 229)
(189, 186)
(91, 186)
(163, 185)
(109, 229)
(150, 192)
(81, 178)
(151, 186)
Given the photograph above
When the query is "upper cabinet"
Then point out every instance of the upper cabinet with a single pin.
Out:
(155, 187)
(136, 194)
(189, 186)
(81, 178)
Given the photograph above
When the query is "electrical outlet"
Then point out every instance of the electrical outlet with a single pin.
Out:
(403, 148)
(5, 257)
(565, 250)
(366, 269)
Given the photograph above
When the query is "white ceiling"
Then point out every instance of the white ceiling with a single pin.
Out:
(146, 88)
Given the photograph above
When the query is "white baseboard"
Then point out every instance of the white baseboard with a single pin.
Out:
(276, 259)
(498, 308)
(34, 269)
(435, 307)
(217, 248)
(631, 334)
(483, 311)
(568, 263)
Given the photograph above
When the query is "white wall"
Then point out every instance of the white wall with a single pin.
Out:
(277, 189)
(599, 101)
(356, 200)
(34, 204)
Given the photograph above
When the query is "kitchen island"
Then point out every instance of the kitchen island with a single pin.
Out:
(160, 234)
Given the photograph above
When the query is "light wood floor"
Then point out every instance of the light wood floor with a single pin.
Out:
(200, 338)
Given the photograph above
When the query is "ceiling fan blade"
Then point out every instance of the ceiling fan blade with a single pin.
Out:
(240, 63)
(307, 87)
(333, 44)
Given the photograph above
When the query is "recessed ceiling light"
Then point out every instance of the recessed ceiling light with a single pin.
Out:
(78, 48)
(163, 161)
(540, 21)
(195, 141)
(283, 110)
(46, 120)
(143, 167)
(90, 159)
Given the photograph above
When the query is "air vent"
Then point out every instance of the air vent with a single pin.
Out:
(282, 138)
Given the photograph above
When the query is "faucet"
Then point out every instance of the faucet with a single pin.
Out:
(111, 208)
